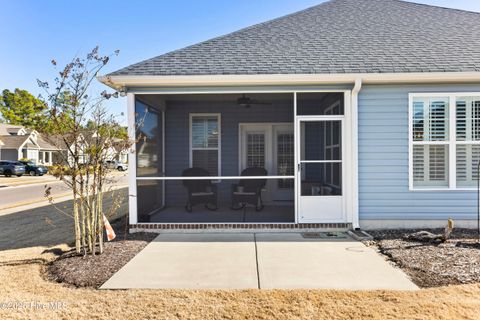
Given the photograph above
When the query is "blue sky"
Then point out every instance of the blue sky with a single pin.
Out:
(34, 32)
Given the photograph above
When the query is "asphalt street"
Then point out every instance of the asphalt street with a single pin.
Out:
(31, 193)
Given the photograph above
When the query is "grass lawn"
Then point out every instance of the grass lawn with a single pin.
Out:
(25, 236)
(21, 281)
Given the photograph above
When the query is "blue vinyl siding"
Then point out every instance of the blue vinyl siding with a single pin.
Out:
(383, 159)
(177, 138)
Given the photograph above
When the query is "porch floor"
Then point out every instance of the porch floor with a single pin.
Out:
(269, 214)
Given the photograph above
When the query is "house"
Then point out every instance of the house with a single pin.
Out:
(20, 142)
(364, 114)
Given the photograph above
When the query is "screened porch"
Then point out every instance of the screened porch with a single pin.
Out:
(231, 158)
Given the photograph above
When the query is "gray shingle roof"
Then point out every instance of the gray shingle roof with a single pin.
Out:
(13, 142)
(336, 37)
(6, 129)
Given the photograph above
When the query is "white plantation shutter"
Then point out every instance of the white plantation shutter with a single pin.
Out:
(204, 132)
(433, 144)
(437, 120)
(468, 119)
(430, 130)
(205, 143)
(418, 120)
(437, 163)
(468, 138)
(468, 157)
(461, 120)
(418, 164)
(430, 165)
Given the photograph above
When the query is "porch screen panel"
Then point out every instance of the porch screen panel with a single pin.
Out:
(148, 140)
(149, 198)
(149, 149)
(205, 143)
(320, 103)
(206, 159)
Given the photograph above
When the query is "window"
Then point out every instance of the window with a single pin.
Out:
(468, 139)
(285, 159)
(256, 150)
(205, 142)
(444, 140)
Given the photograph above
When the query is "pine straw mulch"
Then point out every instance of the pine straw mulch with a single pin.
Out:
(73, 269)
(457, 261)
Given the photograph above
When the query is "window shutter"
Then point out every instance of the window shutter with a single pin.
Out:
(205, 151)
(419, 163)
(476, 120)
(462, 160)
(461, 120)
(467, 165)
(437, 121)
(437, 163)
(418, 121)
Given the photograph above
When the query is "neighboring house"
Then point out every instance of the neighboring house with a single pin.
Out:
(120, 152)
(113, 151)
(20, 142)
(365, 113)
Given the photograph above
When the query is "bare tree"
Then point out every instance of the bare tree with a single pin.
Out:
(87, 136)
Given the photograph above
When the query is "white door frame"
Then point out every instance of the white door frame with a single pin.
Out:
(298, 181)
(350, 159)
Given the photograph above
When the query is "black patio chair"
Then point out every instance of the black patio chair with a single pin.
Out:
(249, 191)
(200, 191)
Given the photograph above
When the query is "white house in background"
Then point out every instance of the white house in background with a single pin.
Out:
(20, 142)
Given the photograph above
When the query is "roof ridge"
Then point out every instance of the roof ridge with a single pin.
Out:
(435, 6)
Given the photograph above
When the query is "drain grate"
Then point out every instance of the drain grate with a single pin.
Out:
(324, 235)
(311, 235)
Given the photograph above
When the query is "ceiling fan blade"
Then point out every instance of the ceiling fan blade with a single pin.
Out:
(260, 102)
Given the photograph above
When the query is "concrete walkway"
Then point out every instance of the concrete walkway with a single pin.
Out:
(258, 261)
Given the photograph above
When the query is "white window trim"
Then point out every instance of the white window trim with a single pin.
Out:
(219, 148)
(451, 142)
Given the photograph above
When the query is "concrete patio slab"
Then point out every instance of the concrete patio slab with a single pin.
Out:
(191, 261)
(261, 260)
(288, 261)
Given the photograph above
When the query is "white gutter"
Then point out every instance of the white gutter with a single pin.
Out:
(354, 163)
(121, 82)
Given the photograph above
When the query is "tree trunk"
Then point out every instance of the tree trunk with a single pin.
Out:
(76, 218)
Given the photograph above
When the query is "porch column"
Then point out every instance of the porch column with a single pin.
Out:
(132, 161)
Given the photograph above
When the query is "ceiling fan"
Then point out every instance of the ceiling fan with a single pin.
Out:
(247, 102)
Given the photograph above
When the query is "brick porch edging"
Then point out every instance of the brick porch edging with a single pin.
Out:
(237, 226)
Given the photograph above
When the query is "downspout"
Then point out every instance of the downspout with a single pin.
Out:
(354, 165)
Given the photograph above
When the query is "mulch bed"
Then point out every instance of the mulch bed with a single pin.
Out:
(456, 261)
(93, 271)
